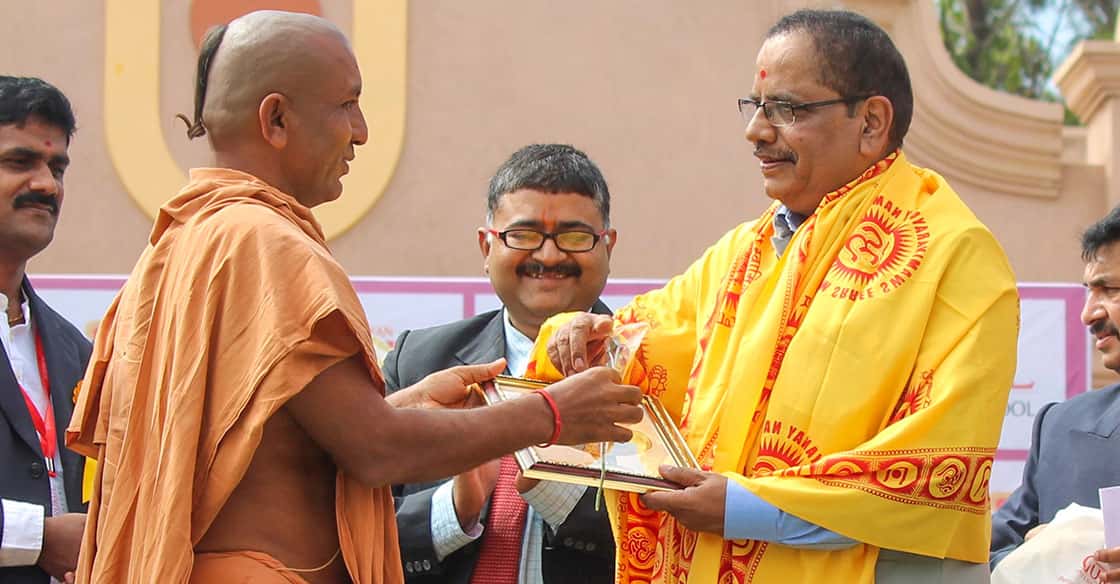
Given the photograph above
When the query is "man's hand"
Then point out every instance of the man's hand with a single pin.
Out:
(471, 490)
(62, 538)
(524, 484)
(448, 388)
(580, 343)
(1110, 559)
(700, 506)
(592, 404)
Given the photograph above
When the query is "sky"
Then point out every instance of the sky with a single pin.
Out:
(1067, 28)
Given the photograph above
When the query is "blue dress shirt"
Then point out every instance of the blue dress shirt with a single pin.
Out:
(747, 516)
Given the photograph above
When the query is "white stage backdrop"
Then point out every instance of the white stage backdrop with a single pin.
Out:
(1053, 345)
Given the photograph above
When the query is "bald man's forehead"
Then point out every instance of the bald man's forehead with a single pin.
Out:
(328, 64)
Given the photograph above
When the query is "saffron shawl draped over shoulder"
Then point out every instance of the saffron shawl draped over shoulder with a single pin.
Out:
(857, 382)
(209, 337)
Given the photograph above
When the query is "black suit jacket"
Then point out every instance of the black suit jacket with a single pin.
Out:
(23, 476)
(581, 550)
(1073, 453)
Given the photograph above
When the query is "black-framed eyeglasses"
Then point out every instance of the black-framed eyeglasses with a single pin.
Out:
(532, 240)
(782, 114)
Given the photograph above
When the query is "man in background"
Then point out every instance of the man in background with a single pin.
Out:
(1074, 443)
(546, 247)
(41, 510)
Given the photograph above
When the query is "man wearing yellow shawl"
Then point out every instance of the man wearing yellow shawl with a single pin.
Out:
(233, 398)
(840, 365)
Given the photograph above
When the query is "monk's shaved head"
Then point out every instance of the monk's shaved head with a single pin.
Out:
(277, 96)
(261, 53)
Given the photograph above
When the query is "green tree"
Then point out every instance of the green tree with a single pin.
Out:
(992, 42)
(1015, 45)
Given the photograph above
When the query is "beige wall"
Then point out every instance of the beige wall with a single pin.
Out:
(646, 87)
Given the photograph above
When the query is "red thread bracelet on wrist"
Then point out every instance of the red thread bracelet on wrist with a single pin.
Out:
(557, 425)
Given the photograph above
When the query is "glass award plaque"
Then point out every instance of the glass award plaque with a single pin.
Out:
(630, 466)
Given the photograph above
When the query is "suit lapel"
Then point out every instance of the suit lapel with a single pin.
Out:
(600, 308)
(1105, 425)
(488, 345)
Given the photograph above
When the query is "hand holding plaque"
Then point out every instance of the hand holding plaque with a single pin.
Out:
(631, 465)
(592, 406)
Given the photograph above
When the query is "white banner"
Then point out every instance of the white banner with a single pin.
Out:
(1053, 344)
(1053, 366)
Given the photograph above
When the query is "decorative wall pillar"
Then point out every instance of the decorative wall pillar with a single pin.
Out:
(1089, 79)
(982, 140)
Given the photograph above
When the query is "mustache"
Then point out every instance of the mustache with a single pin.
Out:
(778, 154)
(535, 268)
(36, 198)
(1104, 326)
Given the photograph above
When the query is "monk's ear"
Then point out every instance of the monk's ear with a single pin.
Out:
(273, 117)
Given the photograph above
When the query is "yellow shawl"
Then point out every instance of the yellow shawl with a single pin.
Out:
(857, 382)
(209, 337)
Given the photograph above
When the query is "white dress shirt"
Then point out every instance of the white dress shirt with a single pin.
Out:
(23, 522)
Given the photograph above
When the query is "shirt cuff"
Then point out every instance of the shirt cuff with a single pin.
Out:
(23, 533)
(749, 517)
(554, 501)
(447, 535)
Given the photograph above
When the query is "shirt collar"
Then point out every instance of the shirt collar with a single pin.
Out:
(518, 347)
(22, 308)
(787, 221)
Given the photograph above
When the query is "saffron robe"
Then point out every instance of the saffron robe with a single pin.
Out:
(209, 337)
(858, 381)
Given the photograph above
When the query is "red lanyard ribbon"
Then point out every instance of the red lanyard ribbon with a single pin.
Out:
(48, 440)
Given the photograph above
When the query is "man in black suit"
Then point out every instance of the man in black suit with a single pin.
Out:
(546, 248)
(41, 510)
(1074, 443)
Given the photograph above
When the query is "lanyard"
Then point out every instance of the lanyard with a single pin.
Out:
(48, 440)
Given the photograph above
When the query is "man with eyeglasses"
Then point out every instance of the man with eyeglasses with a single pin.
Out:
(546, 248)
(840, 364)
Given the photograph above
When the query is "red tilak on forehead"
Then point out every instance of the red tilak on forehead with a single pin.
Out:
(48, 143)
(762, 73)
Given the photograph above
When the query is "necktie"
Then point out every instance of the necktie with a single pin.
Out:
(500, 555)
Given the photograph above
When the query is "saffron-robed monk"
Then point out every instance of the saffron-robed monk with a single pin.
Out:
(234, 400)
